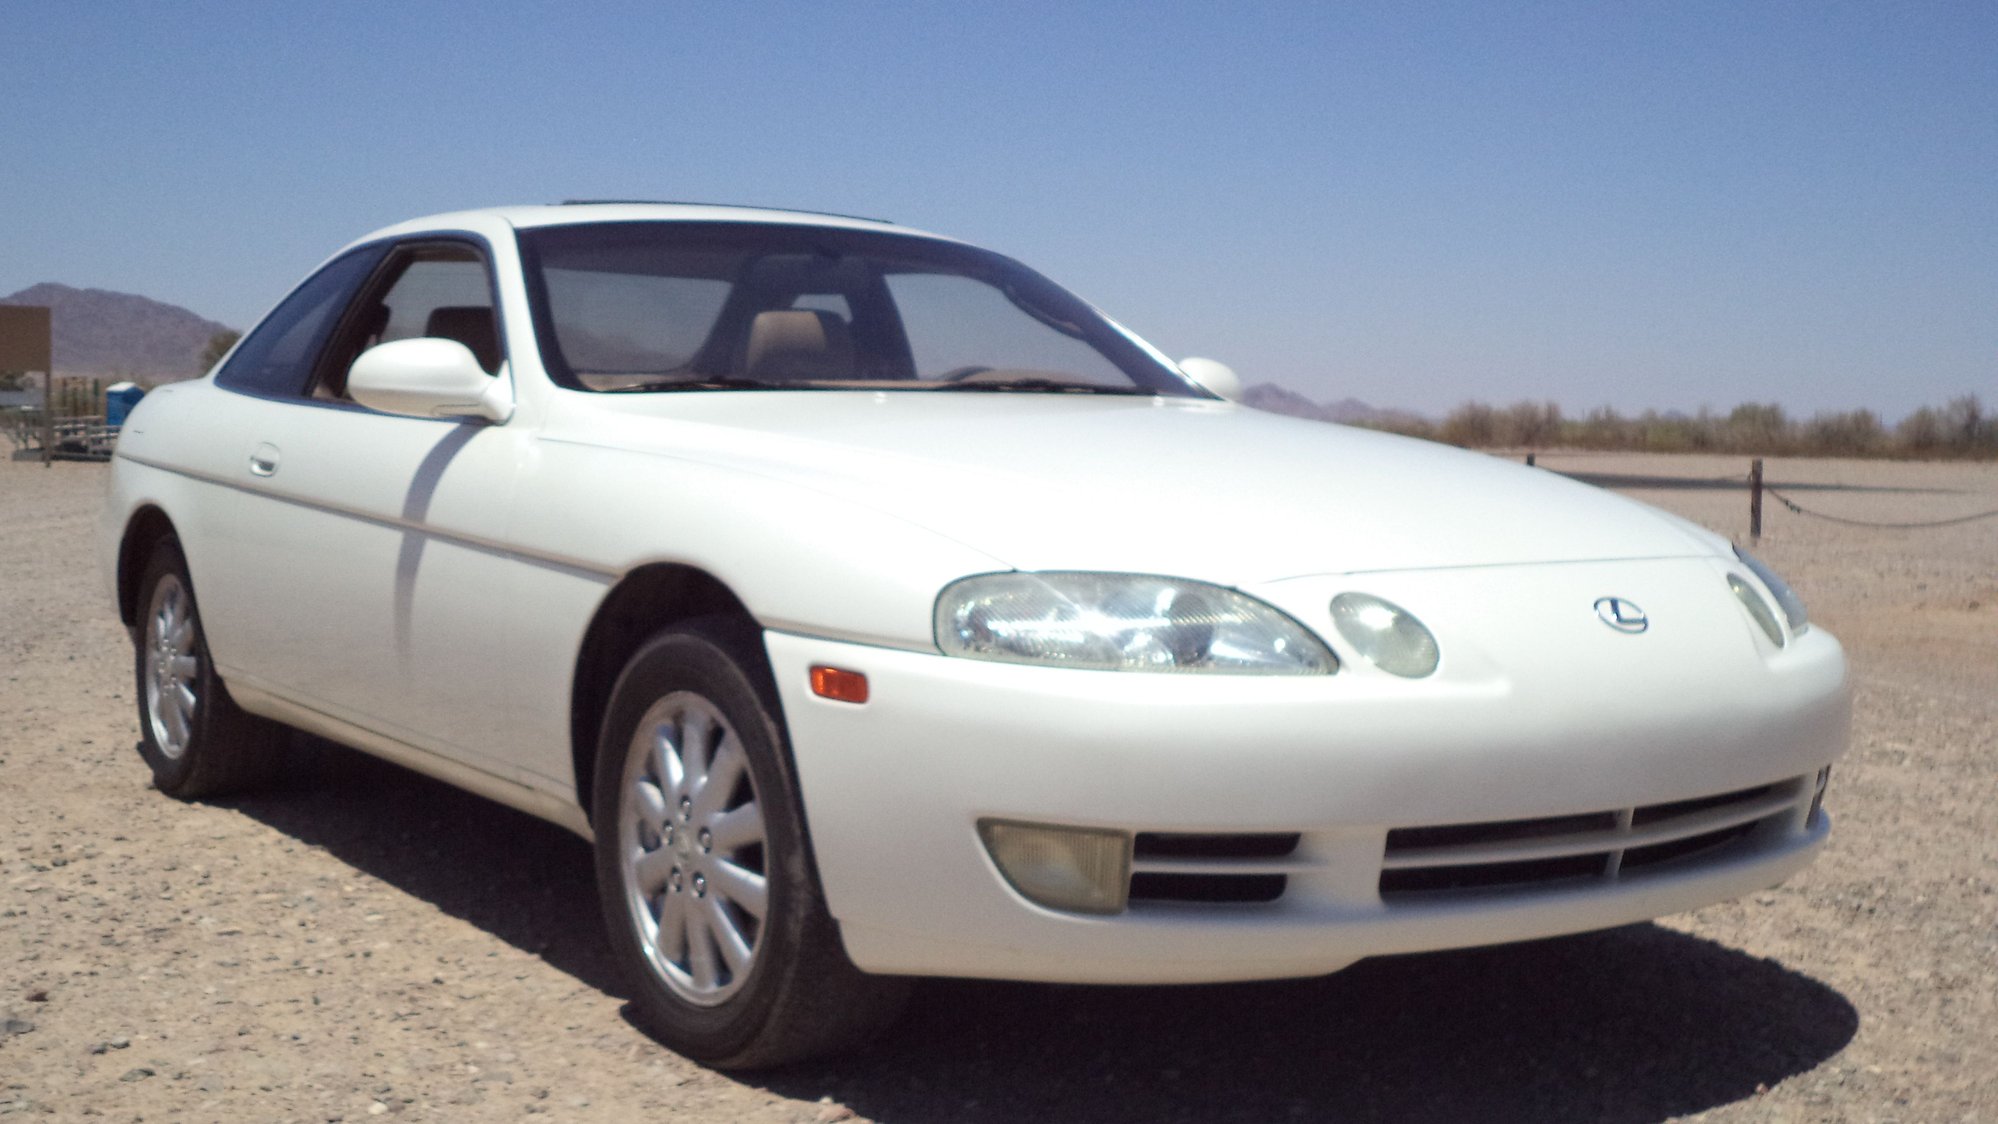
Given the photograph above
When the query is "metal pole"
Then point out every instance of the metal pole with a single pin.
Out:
(1755, 501)
(48, 416)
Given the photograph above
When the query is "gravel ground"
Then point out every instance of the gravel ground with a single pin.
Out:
(368, 943)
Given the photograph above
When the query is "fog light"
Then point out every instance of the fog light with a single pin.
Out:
(1068, 868)
(1388, 635)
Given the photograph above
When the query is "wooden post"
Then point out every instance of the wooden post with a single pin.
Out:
(1755, 501)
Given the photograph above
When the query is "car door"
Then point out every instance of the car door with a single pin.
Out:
(371, 544)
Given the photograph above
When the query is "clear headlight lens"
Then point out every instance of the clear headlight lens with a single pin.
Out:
(1758, 608)
(1123, 622)
(1786, 598)
(1386, 634)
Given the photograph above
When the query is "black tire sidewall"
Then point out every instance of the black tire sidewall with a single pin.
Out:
(709, 660)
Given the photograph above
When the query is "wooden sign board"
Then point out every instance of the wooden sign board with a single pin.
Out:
(24, 338)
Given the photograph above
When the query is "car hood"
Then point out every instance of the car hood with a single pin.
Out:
(1187, 487)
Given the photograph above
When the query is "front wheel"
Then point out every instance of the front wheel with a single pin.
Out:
(193, 736)
(708, 886)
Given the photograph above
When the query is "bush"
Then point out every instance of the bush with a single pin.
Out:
(1472, 425)
(1854, 433)
(1960, 429)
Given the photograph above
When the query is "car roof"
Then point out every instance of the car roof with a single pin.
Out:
(591, 211)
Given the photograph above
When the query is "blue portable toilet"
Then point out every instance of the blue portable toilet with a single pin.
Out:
(119, 398)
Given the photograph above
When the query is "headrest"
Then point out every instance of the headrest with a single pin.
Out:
(471, 325)
(801, 343)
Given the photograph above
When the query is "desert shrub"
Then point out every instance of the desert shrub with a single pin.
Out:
(1966, 429)
(1603, 428)
(1530, 425)
(1851, 433)
(1756, 427)
(1670, 432)
(1921, 432)
(1472, 425)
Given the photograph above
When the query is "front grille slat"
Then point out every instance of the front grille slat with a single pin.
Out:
(1220, 867)
(1563, 849)
(1709, 819)
(1211, 867)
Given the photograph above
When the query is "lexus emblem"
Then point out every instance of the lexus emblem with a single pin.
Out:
(1624, 616)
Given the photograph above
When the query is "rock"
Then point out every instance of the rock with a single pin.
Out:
(137, 1073)
(14, 1026)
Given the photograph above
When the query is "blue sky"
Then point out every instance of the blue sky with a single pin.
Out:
(1652, 204)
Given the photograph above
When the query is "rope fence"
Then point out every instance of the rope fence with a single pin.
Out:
(1800, 509)
(1756, 486)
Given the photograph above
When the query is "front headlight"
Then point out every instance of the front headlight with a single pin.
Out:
(1123, 622)
(1786, 598)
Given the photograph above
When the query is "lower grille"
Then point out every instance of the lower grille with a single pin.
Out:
(1553, 850)
(1215, 868)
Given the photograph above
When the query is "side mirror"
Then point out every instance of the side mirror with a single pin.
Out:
(1217, 377)
(428, 378)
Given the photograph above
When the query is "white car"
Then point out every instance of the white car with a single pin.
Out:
(881, 610)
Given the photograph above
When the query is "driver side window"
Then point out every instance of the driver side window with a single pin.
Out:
(441, 290)
(276, 360)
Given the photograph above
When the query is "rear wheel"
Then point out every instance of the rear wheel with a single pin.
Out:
(194, 737)
(708, 888)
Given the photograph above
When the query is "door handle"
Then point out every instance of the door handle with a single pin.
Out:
(264, 461)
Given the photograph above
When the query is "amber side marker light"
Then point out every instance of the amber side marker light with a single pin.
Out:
(839, 684)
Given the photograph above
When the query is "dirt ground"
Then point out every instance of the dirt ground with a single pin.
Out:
(369, 943)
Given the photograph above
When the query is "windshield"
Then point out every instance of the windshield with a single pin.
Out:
(663, 306)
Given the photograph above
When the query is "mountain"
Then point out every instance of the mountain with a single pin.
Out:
(102, 334)
(1346, 411)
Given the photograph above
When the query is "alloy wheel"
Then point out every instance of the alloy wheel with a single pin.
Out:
(694, 849)
(171, 667)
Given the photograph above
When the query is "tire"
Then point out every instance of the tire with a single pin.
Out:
(193, 736)
(699, 827)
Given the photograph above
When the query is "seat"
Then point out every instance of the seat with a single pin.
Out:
(798, 344)
(471, 325)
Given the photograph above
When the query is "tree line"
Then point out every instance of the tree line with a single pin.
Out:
(1961, 428)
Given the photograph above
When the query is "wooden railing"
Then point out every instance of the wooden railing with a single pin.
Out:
(85, 437)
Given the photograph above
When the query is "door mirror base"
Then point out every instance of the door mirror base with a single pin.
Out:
(1219, 378)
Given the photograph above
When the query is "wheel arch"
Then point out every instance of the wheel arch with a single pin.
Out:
(145, 529)
(643, 602)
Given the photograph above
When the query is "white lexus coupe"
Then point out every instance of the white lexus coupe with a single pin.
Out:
(878, 609)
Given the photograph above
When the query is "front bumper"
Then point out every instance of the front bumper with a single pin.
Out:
(893, 790)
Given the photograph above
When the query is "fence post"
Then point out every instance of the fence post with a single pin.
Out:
(1755, 501)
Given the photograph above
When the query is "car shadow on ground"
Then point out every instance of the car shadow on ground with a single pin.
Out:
(525, 881)
(1634, 1024)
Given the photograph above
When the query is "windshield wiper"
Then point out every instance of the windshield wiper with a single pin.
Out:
(1050, 386)
(706, 382)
